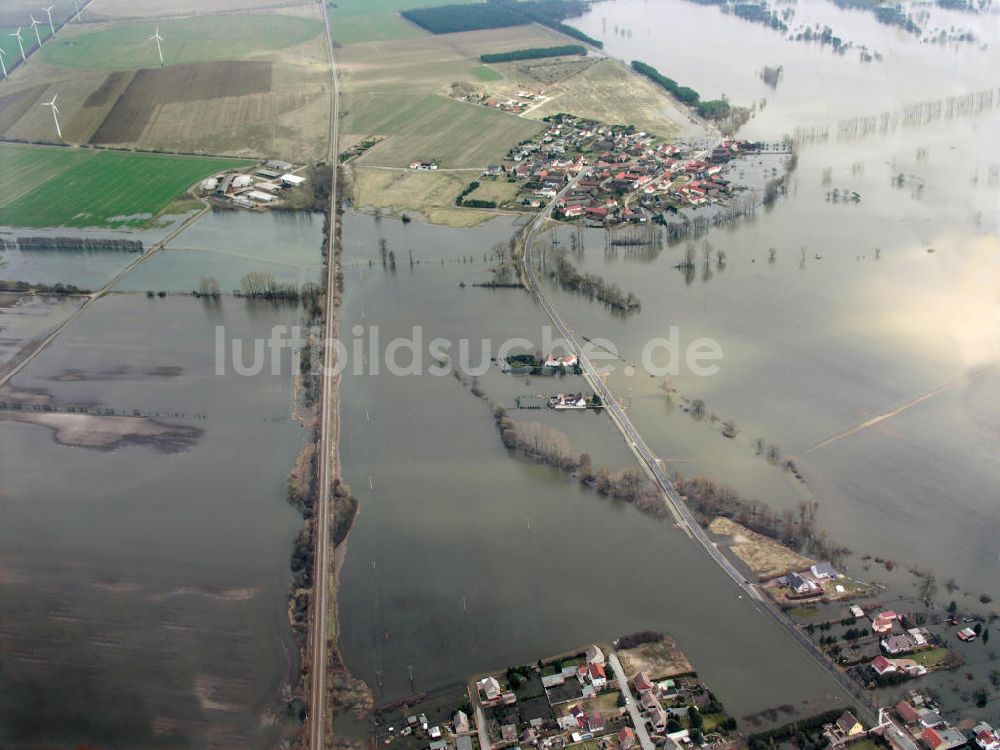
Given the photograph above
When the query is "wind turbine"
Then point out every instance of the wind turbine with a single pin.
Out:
(48, 12)
(55, 114)
(159, 50)
(2, 65)
(17, 35)
(34, 27)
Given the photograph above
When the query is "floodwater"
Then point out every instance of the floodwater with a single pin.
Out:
(144, 563)
(225, 245)
(866, 350)
(464, 558)
(86, 269)
(27, 318)
(891, 303)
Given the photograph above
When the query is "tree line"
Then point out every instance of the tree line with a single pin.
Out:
(713, 109)
(533, 53)
(796, 530)
(474, 202)
(71, 243)
(590, 285)
(24, 286)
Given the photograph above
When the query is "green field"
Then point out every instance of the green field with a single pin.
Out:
(57, 187)
(9, 44)
(486, 74)
(128, 46)
(454, 134)
(354, 21)
(931, 658)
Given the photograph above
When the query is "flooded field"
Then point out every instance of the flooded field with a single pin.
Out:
(144, 553)
(225, 245)
(27, 318)
(860, 338)
(464, 558)
(866, 308)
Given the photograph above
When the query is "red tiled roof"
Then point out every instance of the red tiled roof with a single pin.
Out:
(907, 713)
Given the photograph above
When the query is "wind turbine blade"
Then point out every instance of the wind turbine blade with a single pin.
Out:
(54, 99)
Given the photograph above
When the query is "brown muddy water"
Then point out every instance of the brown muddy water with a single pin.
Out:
(880, 315)
(465, 559)
(144, 560)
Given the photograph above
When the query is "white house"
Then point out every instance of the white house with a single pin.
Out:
(986, 736)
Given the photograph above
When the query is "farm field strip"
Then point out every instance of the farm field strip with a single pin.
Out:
(126, 46)
(60, 187)
(354, 21)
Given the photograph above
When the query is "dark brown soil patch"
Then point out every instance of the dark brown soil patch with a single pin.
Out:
(14, 106)
(103, 93)
(153, 87)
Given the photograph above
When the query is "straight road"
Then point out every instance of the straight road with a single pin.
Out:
(651, 463)
(633, 708)
(320, 640)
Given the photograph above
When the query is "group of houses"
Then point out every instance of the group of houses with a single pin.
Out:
(920, 717)
(623, 175)
(566, 713)
(419, 731)
(818, 580)
(517, 105)
(896, 641)
(264, 187)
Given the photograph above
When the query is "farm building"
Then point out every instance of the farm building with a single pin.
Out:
(292, 180)
(209, 185)
(242, 181)
(260, 197)
(270, 174)
(281, 166)
(223, 187)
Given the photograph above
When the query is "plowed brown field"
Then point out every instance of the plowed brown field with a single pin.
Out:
(153, 89)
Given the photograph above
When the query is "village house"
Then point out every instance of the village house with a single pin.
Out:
(907, 713)
(657, 718)
(489, 690)
(883, 622)
(641, 682)
(897, 644)
(802, 586)
(598, 678)
(823, 571)
(461, 722)
(930, 719)
(846, 729)
(987, 737)
(920, 636)
(943, 739)
(508, 733)
(881, 666)
(626, 738)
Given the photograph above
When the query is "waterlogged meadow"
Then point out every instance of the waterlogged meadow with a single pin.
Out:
(144, 553)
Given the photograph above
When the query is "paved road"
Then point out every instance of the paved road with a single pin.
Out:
(651, 463)
(633, 708)
(320, 728)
